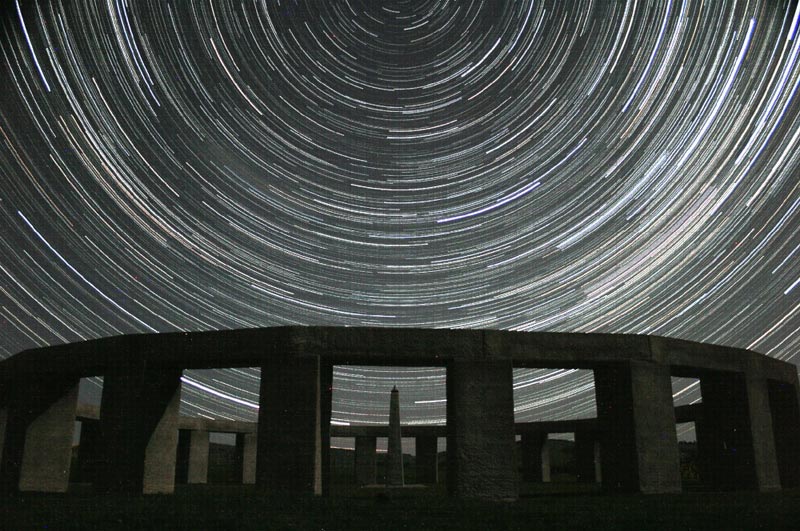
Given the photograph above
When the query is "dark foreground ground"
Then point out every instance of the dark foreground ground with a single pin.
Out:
(242, 507)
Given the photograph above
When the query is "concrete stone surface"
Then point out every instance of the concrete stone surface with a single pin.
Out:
(724, 439)
(326, 404)
(89, 450)
(785, 407)
(249, 445)
(289, 436)
(138, 429)
(38, 429)
(365, 460)
(480, 430)
(765, 460)
(192, 458)
(535, 457)
(427, 460)
(748, 425)
(638, 440)
(48, 444)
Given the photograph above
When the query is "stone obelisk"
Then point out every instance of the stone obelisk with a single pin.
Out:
(394, 456)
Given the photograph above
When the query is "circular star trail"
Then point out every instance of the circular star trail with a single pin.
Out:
(625, 167)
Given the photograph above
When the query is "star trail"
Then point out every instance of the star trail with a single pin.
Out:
(628, 167)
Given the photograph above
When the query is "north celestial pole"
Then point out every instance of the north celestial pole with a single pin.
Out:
(628, 167)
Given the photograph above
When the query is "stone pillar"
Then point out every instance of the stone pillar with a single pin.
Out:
(88, 451)
(735, 440)
(197, 457)
(247, 443)
(427, 459)
(289, 436)
(587, 457)
(636, 420)
(761, 433)
(139, 429)
(394, 454)
(326, 405)
(535, 457)
(37, 443)
(481, 459)
(785, 406)
(365, 460)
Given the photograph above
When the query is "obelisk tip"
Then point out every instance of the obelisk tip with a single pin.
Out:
(394, 389)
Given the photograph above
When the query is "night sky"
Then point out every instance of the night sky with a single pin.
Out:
(585, 167)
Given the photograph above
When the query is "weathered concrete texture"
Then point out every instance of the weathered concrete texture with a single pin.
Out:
(761, 433)
(192, 461)
(365, 460)
(480, 430)
(289, 436)
(639, 445)
(247, 446)
(37, 443)
(535, 454)
(394, 454)
(139, 429)
(736, 417)
(587, 457)
(427, 460)
(783, 399)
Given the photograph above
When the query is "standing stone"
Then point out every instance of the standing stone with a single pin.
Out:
(783, 399)
(636, 419)
(736, 441)
(427, 459)
(37, 443)
(365, 460)
(197, 472)
(192, 462)
(289, 438)
(481, 461)
(394, 456)
(535, 457)
(326, 405)
(249, 443)
(139, 413)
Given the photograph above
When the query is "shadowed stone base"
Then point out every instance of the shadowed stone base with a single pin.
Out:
(636, 417)
(37, 435)
(289, 436)
(480, 430)
(139, 430)
(365, 460)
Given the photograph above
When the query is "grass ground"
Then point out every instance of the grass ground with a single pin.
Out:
(199, 507)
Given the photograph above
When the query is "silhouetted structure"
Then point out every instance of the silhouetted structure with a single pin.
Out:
(394, 455)
(748, 425)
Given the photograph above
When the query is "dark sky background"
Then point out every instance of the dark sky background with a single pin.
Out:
(564, 166)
